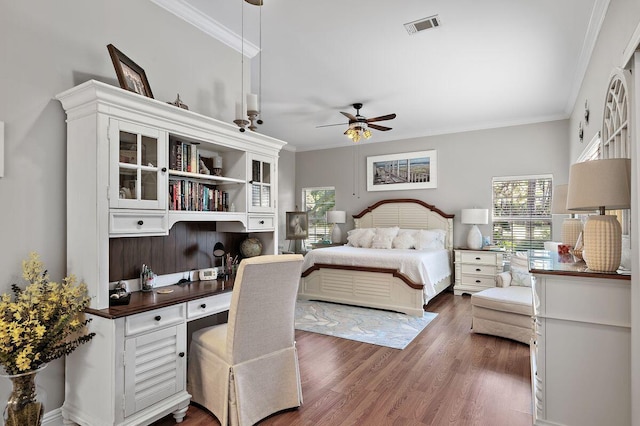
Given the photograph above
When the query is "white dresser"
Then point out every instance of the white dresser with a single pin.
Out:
(581, 357)
(476, 270)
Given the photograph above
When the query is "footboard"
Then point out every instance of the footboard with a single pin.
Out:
(375, 288)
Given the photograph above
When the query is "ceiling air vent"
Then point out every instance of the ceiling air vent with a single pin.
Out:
(423, 24)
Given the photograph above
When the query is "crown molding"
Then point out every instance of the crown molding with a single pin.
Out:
(593, 30)
(209, 26)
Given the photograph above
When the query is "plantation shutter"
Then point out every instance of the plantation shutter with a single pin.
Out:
(522, 212)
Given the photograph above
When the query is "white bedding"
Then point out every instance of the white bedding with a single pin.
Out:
(426, 266)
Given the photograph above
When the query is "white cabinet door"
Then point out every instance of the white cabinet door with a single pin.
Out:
(262, 183)
(155, 365)
(138, 177)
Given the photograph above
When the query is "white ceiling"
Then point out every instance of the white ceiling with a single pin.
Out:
(491, 63)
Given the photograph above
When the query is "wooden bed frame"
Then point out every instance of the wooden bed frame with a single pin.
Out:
(380, 288)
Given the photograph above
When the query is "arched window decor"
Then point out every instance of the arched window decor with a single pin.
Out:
(616, 135)
(616, 141)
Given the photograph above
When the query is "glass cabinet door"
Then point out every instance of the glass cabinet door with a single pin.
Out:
(261, 180)
(138, 167)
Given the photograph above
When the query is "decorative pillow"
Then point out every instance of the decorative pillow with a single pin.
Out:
(406, 239)
(430, 239)
(361, 237)
(387, 232)
(520, 270)
(381, 242)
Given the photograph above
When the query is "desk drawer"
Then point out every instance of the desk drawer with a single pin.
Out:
(154, 320)
(485, 258)
(261, 223)
(208, 305)
(137, 223)
(479, 269)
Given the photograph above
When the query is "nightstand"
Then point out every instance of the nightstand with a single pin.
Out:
(476, 270)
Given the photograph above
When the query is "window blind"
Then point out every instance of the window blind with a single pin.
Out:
(316, 202)
(522, 212)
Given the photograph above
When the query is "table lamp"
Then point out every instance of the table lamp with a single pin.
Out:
(601, 185)
(474, 217)
(571, 226)
(336, 217)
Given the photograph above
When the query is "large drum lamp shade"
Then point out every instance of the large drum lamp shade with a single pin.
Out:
(601, 185)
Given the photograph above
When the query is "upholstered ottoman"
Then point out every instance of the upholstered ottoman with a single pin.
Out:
(504, 312)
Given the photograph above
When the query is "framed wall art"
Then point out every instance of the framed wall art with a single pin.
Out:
(297, 226)
(130, 75)
(411, 170)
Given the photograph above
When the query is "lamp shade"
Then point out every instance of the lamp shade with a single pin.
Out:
(474, 216)
(336, 216)
(600, 184)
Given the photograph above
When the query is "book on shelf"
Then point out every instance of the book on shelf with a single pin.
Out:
(188, 195)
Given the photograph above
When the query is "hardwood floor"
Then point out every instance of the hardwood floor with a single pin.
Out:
(446, 376)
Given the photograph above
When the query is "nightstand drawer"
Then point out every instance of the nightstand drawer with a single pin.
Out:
(478, 280)
(475, 257)
(478, 269)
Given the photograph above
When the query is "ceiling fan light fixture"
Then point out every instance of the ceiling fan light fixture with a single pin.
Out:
(356, 137)
(366, 133)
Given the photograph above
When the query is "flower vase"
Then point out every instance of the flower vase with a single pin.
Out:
(24, 406)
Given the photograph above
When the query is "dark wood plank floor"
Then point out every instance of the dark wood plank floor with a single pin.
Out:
(446, 376)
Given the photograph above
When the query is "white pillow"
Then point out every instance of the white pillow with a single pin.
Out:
(430, 239)
(520, 270)
(361, 237)
(406, 239)
(387, 232)
(381, 242)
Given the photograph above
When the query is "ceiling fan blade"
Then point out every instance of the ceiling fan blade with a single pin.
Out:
(349, 116)
(381, 118)
(329, 125)
(378, 127)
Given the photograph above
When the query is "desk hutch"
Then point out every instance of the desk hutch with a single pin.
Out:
(133, 170)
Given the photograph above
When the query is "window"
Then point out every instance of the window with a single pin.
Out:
(316, 202)
(522, 212)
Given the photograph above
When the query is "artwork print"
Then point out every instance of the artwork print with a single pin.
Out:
(415, 170)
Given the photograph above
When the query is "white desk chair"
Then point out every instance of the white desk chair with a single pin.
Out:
(247, 369)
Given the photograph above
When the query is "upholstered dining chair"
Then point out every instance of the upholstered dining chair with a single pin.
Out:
(247, 369)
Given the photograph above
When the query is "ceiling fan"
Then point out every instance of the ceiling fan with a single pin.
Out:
(359, 125)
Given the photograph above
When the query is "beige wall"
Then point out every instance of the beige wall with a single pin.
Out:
(466, 164)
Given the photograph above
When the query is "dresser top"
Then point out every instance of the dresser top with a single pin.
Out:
(551, 263)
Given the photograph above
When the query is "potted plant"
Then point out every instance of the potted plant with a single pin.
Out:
(40, 323)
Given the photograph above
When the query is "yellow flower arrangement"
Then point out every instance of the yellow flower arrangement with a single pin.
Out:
(42, 322)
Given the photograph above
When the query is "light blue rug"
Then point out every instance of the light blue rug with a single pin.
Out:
(373, 326)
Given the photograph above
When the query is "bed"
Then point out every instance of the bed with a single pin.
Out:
(396, 279)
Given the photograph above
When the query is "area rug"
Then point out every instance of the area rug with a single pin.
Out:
(374, 326)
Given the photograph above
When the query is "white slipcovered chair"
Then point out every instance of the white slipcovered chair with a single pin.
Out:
(507, 309)
(247, 369)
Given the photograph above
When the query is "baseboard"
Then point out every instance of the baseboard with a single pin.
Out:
(53, 418)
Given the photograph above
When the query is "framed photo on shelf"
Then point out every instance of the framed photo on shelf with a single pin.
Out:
(130, 75)
(297, 226)
(411, 170)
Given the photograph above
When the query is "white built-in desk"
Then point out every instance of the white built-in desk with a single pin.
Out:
(133, 371)
(581, 356)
